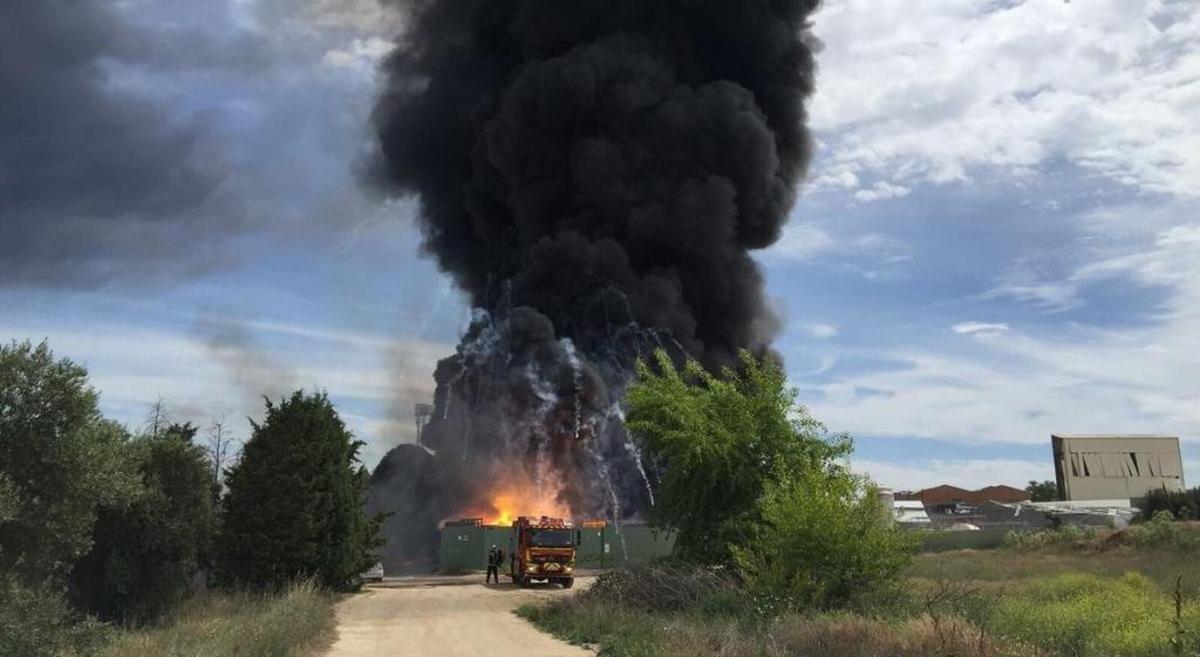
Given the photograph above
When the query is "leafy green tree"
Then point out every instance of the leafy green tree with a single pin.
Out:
(1042, 491)
(750, 478)
(59, 461)
(719, 440)
(147, 553)
(295, 502)
(823, 542)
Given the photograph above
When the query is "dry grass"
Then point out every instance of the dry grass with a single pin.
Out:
(297, 623)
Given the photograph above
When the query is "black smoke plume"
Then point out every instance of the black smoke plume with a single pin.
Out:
(593, 175)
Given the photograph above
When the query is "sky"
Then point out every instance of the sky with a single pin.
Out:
(999, 238)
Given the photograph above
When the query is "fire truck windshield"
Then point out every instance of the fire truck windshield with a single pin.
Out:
(556, 538)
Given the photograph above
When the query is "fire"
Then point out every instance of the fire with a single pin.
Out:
(510, 505)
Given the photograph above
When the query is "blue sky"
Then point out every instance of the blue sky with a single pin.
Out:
(999, 238)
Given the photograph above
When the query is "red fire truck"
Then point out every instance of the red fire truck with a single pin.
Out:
(543, 550)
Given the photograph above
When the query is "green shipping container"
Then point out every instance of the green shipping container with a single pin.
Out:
(465, 548)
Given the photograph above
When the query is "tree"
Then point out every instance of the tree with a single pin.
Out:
(146, 554)
(295, 501)
(749, 478)
(1042, 491)
(719, 441)
(220, 444)
(59, 461)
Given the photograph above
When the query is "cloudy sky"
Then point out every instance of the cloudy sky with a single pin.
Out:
(1000, 237)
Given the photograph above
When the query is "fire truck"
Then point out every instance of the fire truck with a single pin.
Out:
(542, 550)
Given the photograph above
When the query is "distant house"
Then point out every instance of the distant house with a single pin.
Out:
(1108, 467)
(950, 499)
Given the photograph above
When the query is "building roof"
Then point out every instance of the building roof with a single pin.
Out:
(1113, 436)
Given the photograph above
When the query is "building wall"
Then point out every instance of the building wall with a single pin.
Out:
(1116, 467)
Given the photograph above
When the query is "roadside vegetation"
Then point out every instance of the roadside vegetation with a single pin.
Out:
(783, 552)
(115, 541)
(296, 623)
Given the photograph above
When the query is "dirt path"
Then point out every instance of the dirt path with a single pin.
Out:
(445, 618)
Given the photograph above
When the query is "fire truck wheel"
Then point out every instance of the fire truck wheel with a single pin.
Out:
(567, 583)
(522, 582)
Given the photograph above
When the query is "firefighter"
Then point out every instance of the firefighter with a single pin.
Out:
(495, 558)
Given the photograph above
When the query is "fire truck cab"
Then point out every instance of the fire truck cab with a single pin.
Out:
(542, 550)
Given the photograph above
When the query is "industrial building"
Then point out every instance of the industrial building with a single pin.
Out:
(1100, 467)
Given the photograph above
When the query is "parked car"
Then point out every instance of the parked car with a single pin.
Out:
(373, 574)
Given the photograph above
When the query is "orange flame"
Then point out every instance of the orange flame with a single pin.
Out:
(509, 505)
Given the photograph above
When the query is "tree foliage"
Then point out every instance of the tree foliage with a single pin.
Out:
(750, 478)
(147, 553)
(59, 461)
(295, 502)
(719, 440)
(1042, 491)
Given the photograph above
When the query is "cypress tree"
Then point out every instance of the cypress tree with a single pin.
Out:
(295, 502)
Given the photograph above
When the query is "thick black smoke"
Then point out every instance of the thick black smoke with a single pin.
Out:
(594, 175)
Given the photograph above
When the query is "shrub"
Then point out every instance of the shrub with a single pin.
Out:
(38, 622)
(1183, 505)
(824, 543)
(1160, 531)
(1065, 536)
(668, 587)
(146, 554)
(295, 503)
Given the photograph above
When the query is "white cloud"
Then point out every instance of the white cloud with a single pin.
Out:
(982, 329)
(881, 191)
(134, 365)
(362, 55)
(1139, 378)
(823, 331)
(931, 91)
(801, 242)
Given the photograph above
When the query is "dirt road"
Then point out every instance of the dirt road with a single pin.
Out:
(445, 618)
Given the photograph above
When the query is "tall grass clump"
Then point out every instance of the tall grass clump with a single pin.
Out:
(297, 622)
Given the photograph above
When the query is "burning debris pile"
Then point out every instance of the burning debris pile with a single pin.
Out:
(593, 175)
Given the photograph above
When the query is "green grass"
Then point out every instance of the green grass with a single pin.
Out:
(1100, 597)
(297, 623)
(1079, 615)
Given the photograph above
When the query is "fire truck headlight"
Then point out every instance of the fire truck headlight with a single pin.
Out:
(531, 568)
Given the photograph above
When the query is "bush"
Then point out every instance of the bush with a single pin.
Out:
(1160, 531)
(1065, 536)
(38, 622)
(1183, 505)
(824, 543)
(146, 554)
(667, 587)
(294, 507)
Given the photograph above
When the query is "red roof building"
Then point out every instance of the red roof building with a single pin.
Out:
(947, 495)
